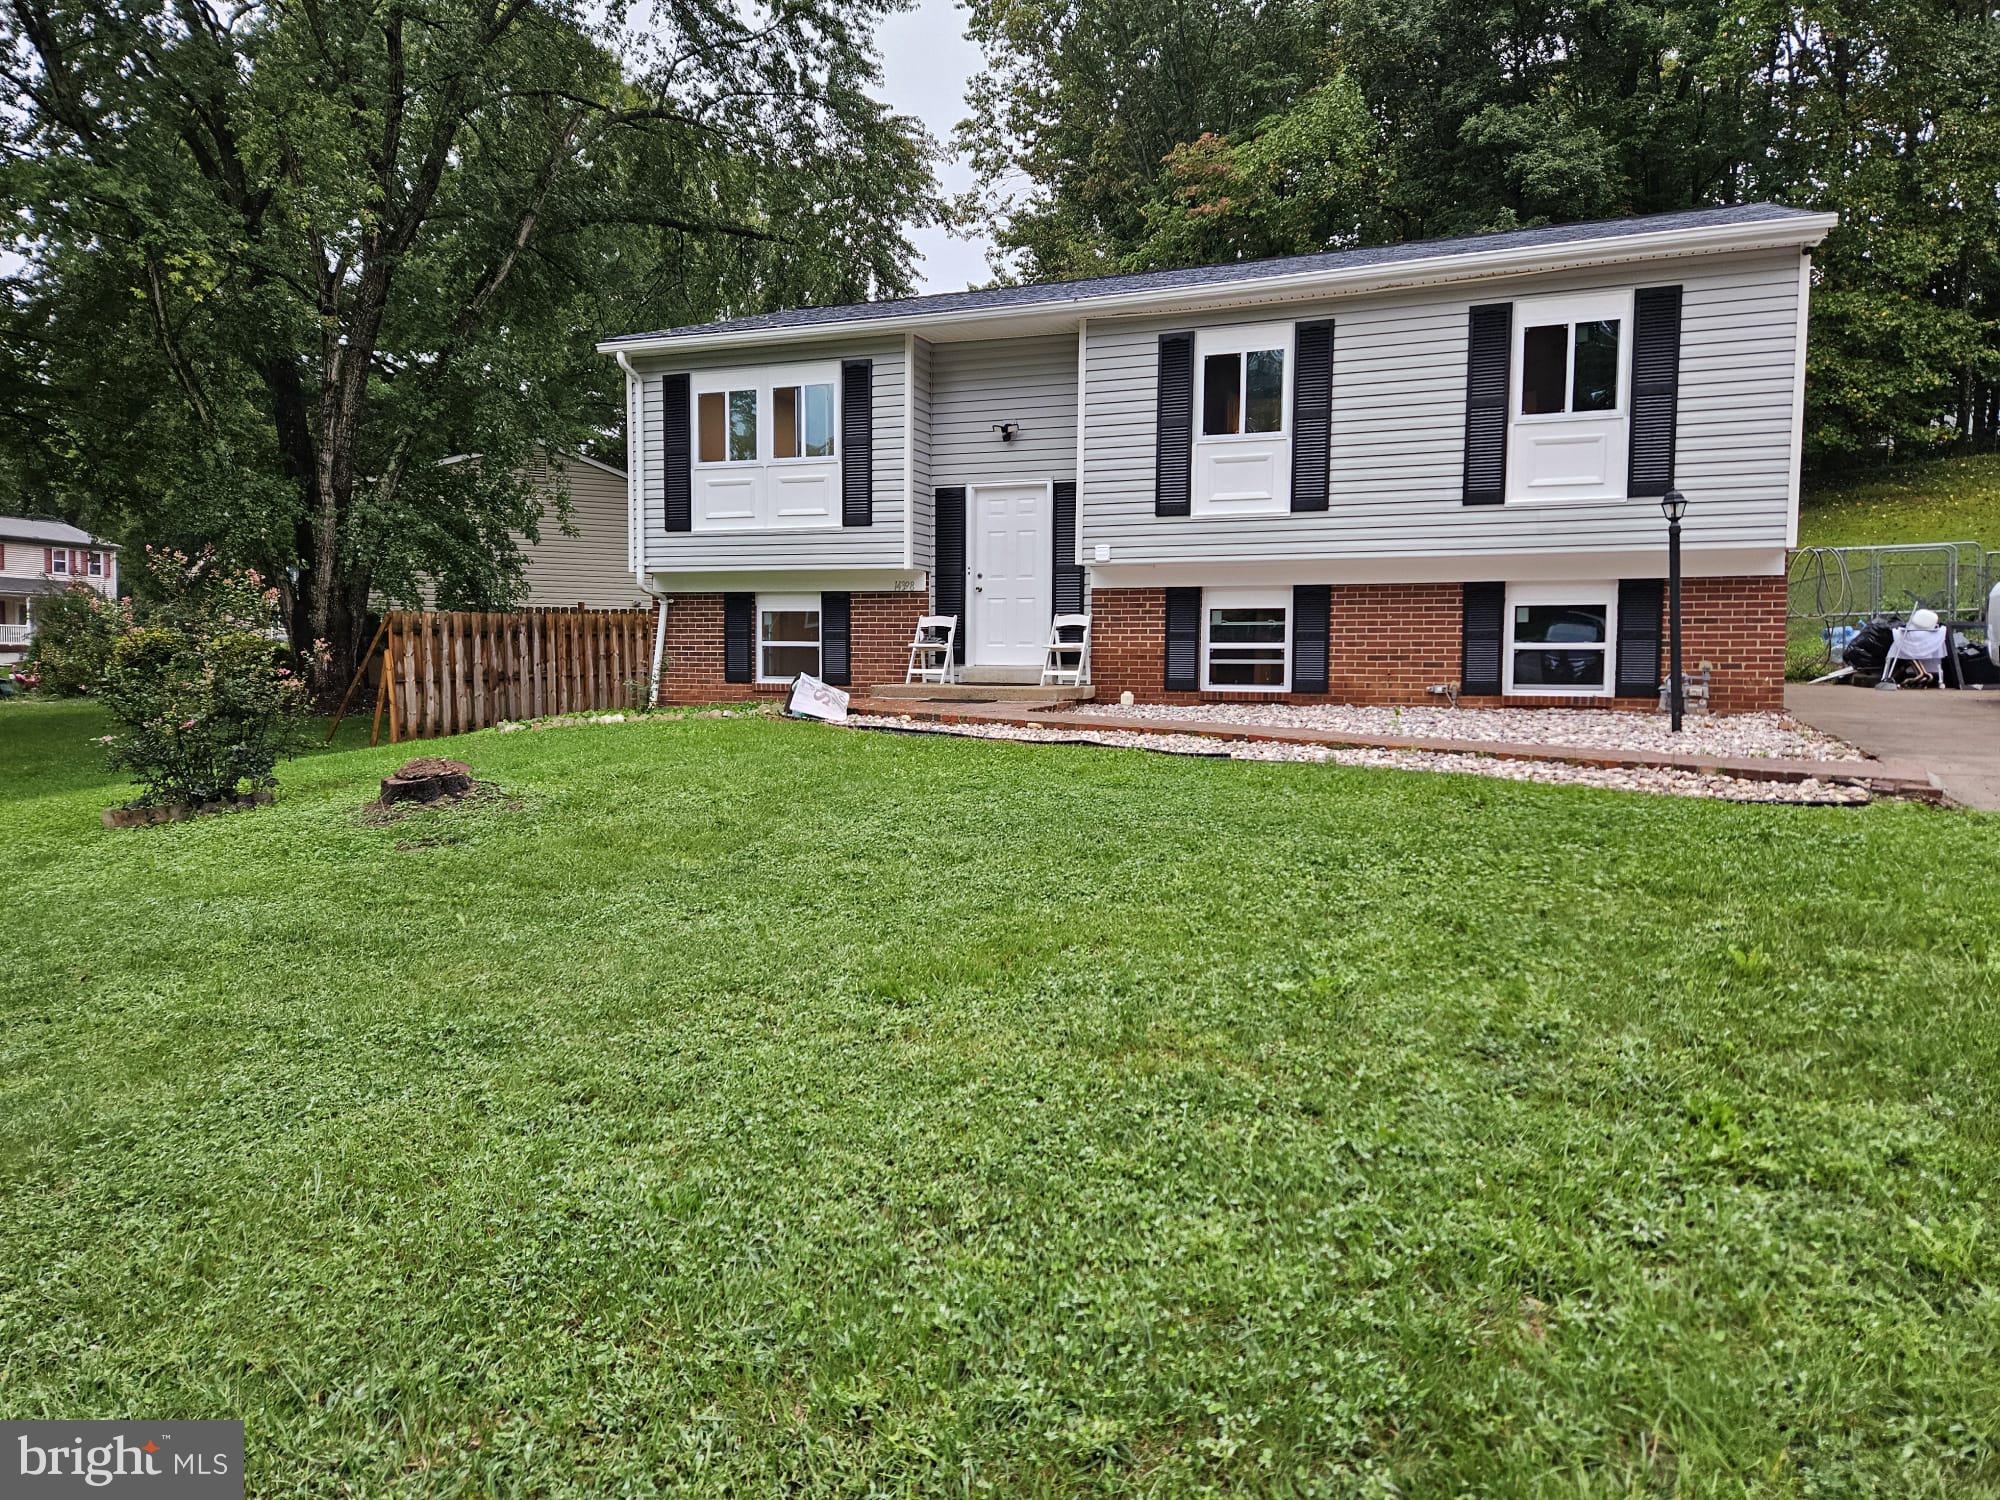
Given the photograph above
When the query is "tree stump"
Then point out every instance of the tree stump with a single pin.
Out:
(426, 779)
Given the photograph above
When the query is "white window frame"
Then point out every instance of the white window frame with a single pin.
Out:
(1242, 340)
(59, 562)
(94, 565)
(1586, 593)
(833, 415)
(1593, 307)
(1234, 449)
(766, 493)
(1569, 309)
(763, 380)
(780, 604)
(1214, 599)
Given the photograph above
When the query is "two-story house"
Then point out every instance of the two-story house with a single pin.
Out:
(1363, 476)
(38, 558)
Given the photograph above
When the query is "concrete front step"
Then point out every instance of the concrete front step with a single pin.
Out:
(979, 692)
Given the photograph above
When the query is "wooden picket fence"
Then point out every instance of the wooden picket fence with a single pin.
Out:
(445, 672)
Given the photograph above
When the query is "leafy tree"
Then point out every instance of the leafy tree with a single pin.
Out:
(286, 256)
(1403, 119)
(1083, 99)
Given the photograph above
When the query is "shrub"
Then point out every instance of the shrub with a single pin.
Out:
(203, 693)
(74, 632)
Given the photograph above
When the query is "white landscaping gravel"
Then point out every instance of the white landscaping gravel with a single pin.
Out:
(1668, 782)
(1765, 736)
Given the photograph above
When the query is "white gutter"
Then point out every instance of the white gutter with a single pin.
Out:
(1763, 234)
(659, 644)
(635, 471)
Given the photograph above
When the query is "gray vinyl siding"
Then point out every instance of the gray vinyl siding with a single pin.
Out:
(1031, 381)
(922, 379)
(1399, 416)
(588, 568)
(878, 545)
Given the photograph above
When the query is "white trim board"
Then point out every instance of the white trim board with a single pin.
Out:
(1521, 567)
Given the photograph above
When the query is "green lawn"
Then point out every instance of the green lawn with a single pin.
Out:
(762, 1109)
(1939, 500)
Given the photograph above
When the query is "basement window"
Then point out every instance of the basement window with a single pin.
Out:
(1558, 639)
(787, 636)
(1246, 640)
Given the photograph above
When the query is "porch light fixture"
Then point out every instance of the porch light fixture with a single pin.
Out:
(1673, 505)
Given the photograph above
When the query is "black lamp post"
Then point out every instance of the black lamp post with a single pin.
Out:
(1673, 505)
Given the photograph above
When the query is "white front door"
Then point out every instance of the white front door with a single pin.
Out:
(1011, 573)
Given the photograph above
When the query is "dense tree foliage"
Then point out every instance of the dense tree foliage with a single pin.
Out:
(1224, 128)
(282, 257)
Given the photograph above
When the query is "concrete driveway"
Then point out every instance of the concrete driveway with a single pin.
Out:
(1953, 735)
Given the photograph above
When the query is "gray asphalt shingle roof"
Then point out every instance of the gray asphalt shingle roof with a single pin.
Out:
(1057, 292)
(21, 529)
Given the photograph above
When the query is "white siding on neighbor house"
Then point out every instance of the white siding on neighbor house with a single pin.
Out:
(879, 545)
(588, 568)
(1031, 381)
(1398, 428)
(922, 547)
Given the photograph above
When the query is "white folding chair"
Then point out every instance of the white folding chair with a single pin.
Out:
(931, 650)
(1069, 642)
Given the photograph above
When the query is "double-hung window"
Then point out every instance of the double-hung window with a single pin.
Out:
(1246, 640)
(1559, 638)
(1243, 405)
(728, 426)
(1570, 403)
(59, 562)
(802, 421)
(96, 564)
(787, 636)
(767, 439)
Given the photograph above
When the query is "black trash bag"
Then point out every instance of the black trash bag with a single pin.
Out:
(1869, 649)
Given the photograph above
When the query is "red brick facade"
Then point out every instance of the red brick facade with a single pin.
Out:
(1389, 642)
(880, 628)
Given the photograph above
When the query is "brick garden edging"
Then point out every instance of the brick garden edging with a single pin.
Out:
(1885, 778)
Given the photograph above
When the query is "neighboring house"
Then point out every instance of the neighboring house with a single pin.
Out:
(590, 568)
(1365, 475)
(39, 558)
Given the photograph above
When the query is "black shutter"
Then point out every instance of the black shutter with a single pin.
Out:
(1312, 414)
(1173, 457)
(1638, 666)
(739, 637)
(1484, 635)
(1488, 351)
(1183, 667)
(835, 628)
(1068, 574)
(857, 442)
(948, 576)
(1656, 385)
(1312, 617)
(676, 437)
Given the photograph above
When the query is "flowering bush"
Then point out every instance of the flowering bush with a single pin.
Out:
(204, 697)
(74, 633)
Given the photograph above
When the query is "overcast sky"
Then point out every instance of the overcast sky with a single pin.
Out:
(926, 60)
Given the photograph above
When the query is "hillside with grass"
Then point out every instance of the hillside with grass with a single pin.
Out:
(1938, 500)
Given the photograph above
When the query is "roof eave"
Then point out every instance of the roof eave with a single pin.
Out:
(1801, 231)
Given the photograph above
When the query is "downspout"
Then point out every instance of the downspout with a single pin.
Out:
(635, 499)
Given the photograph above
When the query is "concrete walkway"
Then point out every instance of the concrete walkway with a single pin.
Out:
(1896, 778)
(1953, 735)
